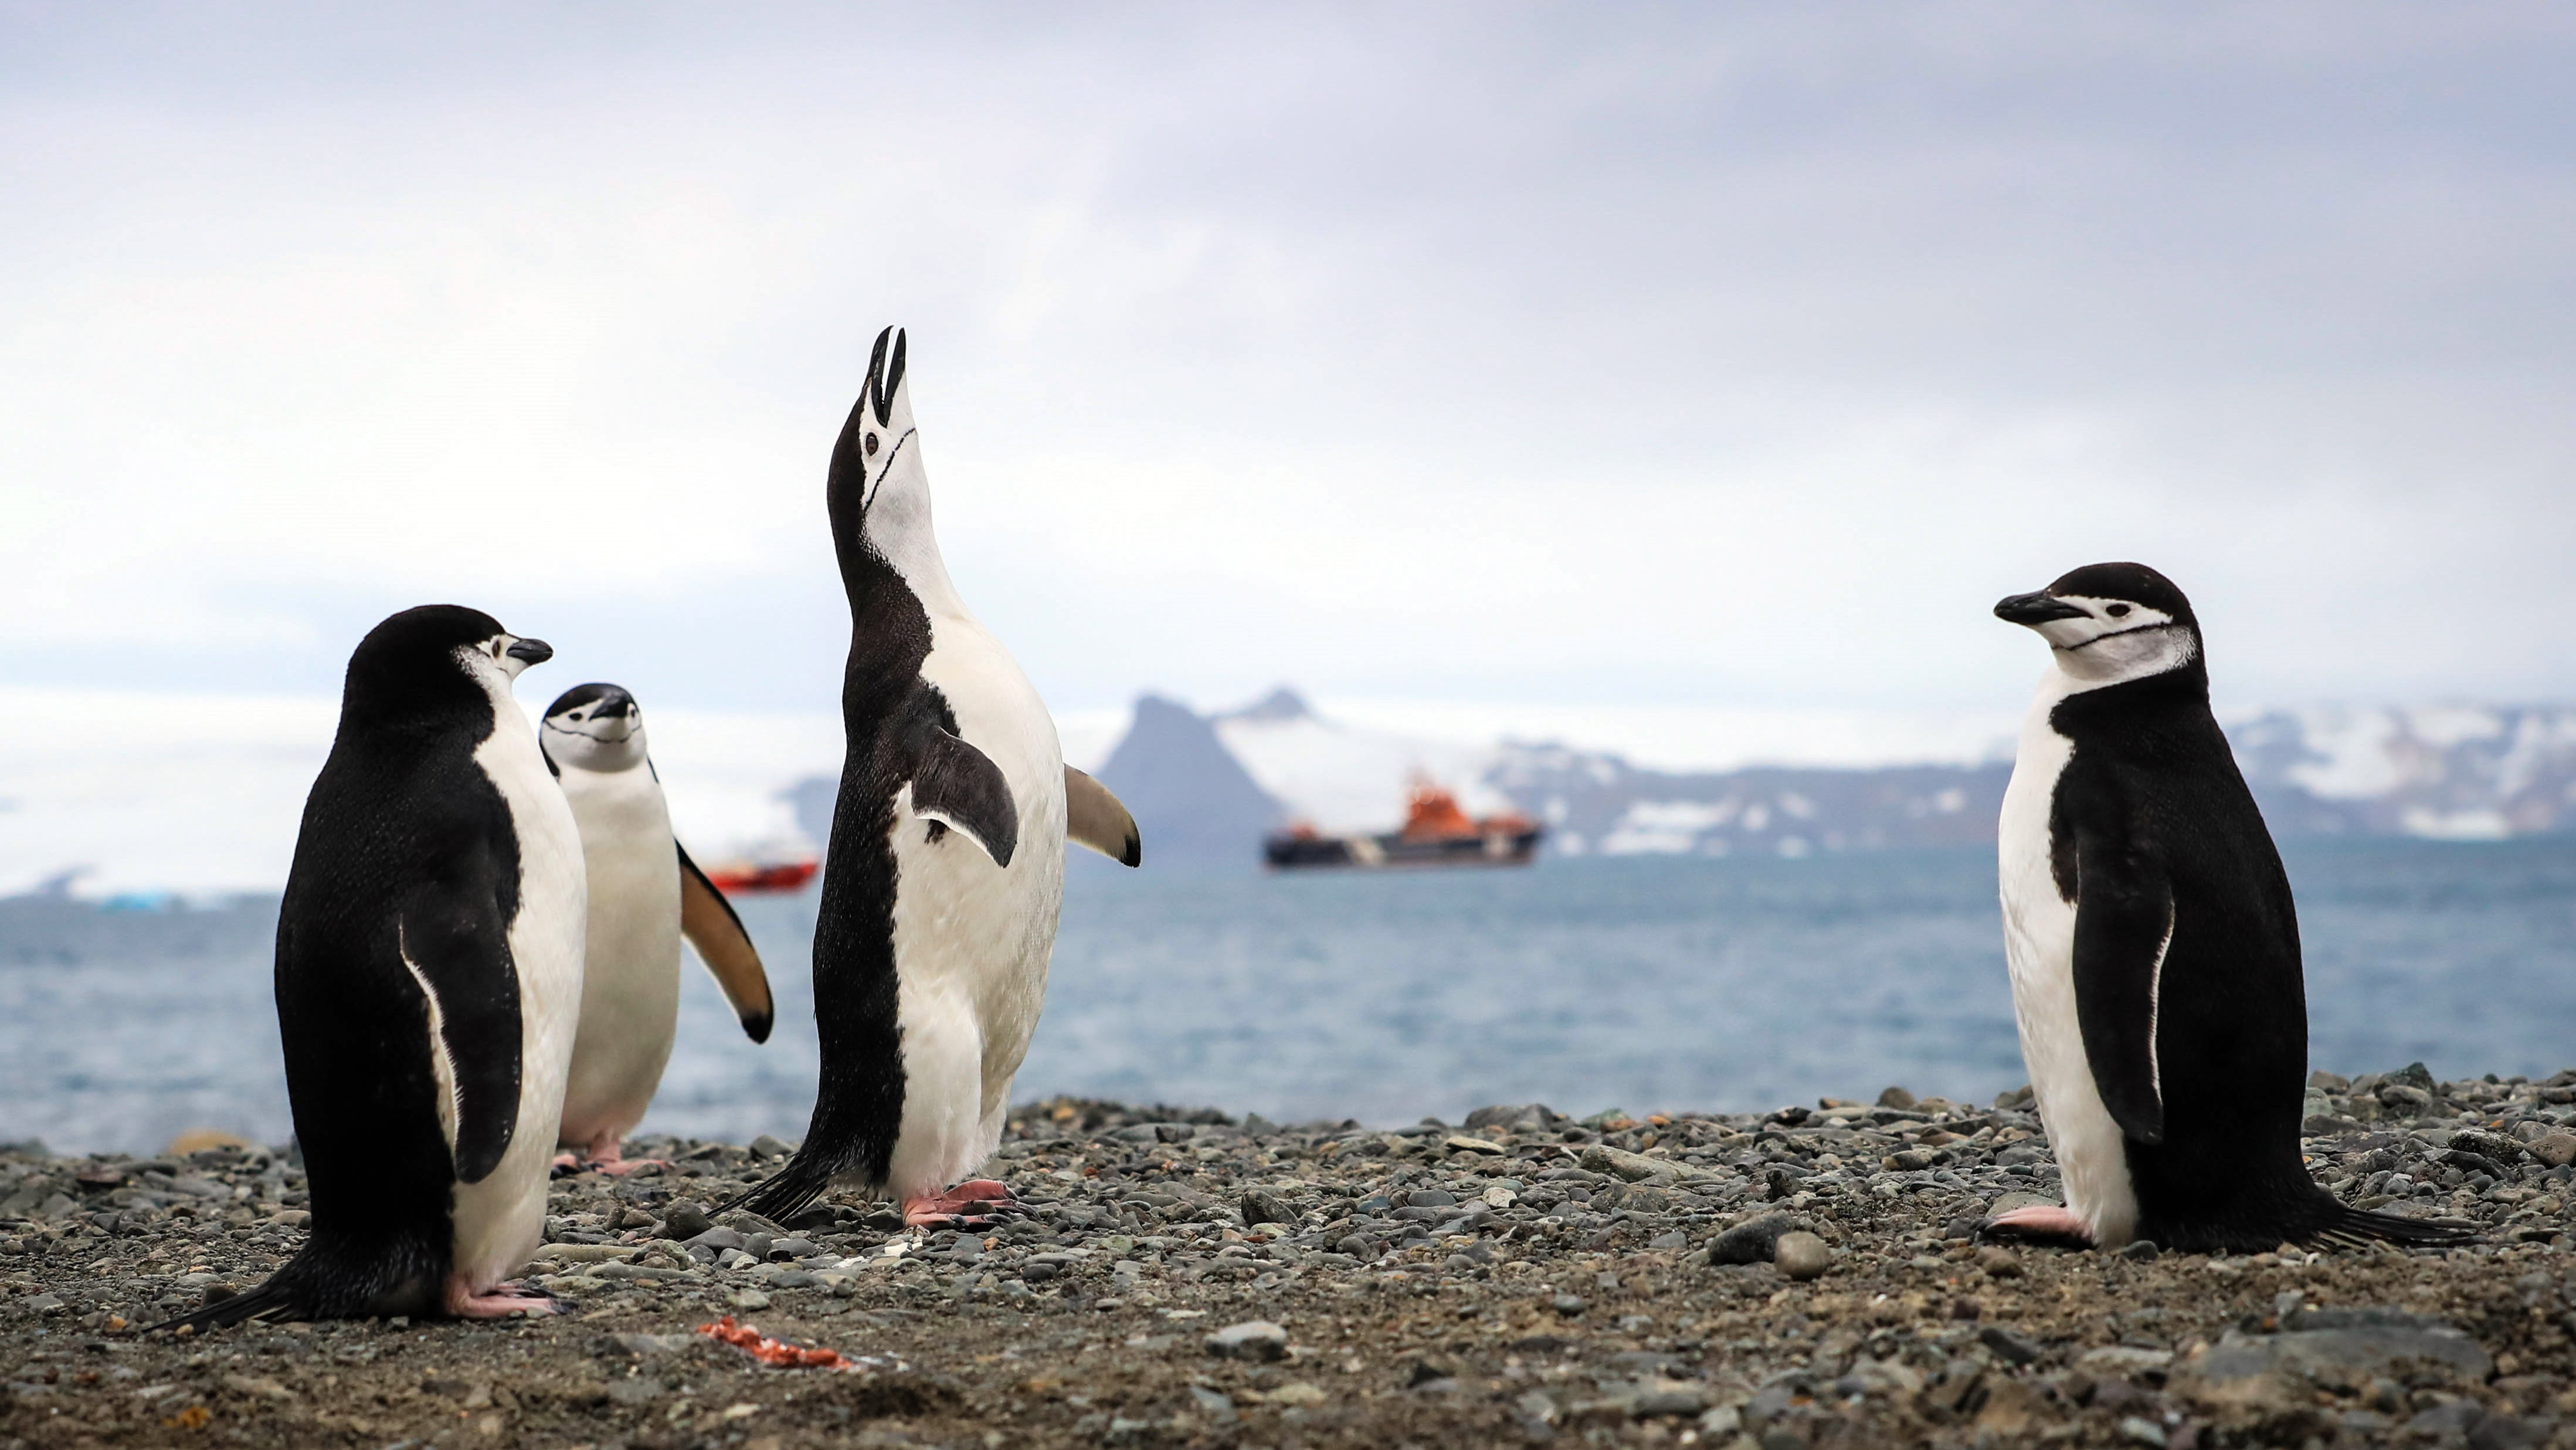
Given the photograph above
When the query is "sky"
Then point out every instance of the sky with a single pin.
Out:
(1456, 358)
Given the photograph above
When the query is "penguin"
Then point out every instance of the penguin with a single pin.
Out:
(645, 894)
(2154, 945)
(429, 960)
(945, 868)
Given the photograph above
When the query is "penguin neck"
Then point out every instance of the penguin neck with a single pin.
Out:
(897, 532)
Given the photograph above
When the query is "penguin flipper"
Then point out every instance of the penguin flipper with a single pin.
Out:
(708, 921)
(2124, 925)
(954, 782)
(1095, 817)
(457, 948)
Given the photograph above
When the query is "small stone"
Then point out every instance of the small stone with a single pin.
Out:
(1755, 1241)
(1998, 1262)
(2141, 1251)
(1802, 1255)
(2007, 1346)
(1260, 1206)
(1568, 1305)
(1257, 1340)
(766, 1146)
(1214, 1404)
(2555, 1149)
(1634, 1167)
(2138, 1430)
(1896, 1097)
(1675, 1398)
(684, 1221)
(1296, 1392)
(747, 1299)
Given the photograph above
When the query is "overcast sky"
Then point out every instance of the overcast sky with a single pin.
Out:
(1694, 356)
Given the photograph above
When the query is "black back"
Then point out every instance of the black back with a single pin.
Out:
(2152, 778)
(406, 849)
(2152, 823)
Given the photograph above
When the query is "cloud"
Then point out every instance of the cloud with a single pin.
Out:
(1683, 357)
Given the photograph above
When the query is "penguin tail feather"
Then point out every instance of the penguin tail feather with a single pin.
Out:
(2346, 1227)
(271, 1300)
(783, 1192)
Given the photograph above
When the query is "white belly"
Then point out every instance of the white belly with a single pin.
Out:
(2039, 943)
(630, 986)
(972, 940)
(499, 1221)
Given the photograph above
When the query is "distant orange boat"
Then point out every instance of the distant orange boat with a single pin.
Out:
(734, 877)
(1436, 833)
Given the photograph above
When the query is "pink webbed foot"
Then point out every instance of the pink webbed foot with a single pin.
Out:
(2040, 1221)
(603, 1155)
(949, 1210)
(506, 1300)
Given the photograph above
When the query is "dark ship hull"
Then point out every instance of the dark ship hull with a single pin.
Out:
(1297, 851)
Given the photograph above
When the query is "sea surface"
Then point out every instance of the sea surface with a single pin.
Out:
(1637, 983)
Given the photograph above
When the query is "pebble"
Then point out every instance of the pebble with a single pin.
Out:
(1756, 1241)
(1257, 1340)
(1802, 1255)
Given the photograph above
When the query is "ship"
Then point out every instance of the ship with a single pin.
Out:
(779, 865)
(1435, 833)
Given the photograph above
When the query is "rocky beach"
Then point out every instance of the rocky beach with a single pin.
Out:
(1806, 1277)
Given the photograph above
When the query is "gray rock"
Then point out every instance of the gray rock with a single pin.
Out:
(1257, 1340)
(766, 1146)
(1260, 1205)
(1755, 1241)
(719, 1239)
(1568, 1305)
(1802, 1255)
(1634, 1167)
(2328, 1348)
(684, 1221)
(2555, 1149)
(2007, 1346)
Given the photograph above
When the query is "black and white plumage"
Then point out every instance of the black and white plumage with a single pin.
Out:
(946, 864)
(429, 957)
(645, 896)
(2154, 944)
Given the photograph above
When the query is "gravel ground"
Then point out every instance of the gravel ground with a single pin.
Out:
(1806, 1277)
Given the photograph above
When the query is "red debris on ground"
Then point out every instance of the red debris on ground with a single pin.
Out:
(771, 1351)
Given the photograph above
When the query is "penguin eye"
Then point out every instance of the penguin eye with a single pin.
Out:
(2116, 610)
(872, 445)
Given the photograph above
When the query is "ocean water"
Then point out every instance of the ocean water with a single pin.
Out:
(1640, 983)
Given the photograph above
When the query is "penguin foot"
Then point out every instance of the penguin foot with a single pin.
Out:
(506, 1300)
(2040, 1221)
(602, 1156)
(948, 1210)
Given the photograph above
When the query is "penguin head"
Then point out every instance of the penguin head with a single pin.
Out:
(595, 727)
(880, 493)
(434, 659)
(2110, 622)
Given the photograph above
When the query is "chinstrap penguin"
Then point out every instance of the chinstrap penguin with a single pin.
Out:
(645, 894)
(429, 957)
(945, 869)
(2153, 944)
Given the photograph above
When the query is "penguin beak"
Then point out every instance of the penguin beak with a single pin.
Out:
(530, 651)
(2035, 609)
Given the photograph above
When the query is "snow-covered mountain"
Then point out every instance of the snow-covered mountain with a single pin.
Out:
(2435, 771)
(2454, 772)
